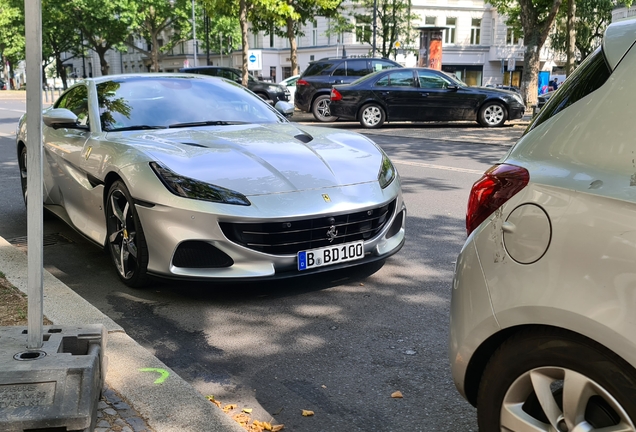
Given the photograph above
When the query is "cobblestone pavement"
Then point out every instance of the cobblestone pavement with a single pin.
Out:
(115, 415)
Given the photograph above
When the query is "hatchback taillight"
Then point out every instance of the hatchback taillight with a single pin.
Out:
(301, 83)
(492, 190)
(335, 95)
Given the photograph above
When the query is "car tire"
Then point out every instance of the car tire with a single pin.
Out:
(372, 116)
(125, 238)
(22, 163)
(597, 387)
(320, 109)
(264, 97)
(493, 114)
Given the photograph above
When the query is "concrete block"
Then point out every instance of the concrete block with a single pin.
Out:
(56, 386)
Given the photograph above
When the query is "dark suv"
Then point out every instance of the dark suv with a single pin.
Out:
(313, 88)
(268, 91)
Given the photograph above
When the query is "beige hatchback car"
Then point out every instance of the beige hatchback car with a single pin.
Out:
(543, 314)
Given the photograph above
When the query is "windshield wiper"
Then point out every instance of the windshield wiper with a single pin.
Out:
(207, 123)
(136, 127)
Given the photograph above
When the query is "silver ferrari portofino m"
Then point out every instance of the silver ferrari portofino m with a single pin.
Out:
(188, 176)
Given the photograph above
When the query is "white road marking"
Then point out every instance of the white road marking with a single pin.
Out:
(440, 167)
(13, 110)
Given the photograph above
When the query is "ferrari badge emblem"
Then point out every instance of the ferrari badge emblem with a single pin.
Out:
(326, 198)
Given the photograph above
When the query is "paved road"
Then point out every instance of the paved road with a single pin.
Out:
(336, 344)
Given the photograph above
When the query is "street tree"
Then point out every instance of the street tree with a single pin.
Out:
(12, 42)
(394, 19)
(224, 32)
(162, 25)
(534, 19)
(288, 18)
(59, 35)
(104, 25)
(592, 18)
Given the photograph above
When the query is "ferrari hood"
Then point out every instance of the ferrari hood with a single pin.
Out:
(261, 159)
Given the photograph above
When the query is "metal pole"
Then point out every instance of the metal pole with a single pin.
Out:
(33, 33)
(83, 57)
(194, 35)
(375, 25)
(221, 48)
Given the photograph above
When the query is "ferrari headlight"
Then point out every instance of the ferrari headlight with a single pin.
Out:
(387, 172)
(195, 189)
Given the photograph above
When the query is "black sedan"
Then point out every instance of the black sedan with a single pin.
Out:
(420, 94)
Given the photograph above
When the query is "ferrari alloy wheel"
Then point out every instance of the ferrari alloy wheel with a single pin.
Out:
(556, 382)
(23, 172)
(321, 109)
(126, 241)
(492, 114)
(372, 116)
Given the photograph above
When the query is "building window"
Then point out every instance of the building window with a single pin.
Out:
(255, 40)
(314, 34)
(512, 37)
(475, 32)
(363, 29)
(429, 21)
(449, 33)
(493, 32)
(286, 72)
(311, 57)
(272, 73)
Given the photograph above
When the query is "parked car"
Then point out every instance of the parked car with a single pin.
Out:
(543, 99)
(421, 94)
(505, 87)
(290, 84)
(267, 91)
(3, 85)
(193, 177)
(313, 88)
(543, 336)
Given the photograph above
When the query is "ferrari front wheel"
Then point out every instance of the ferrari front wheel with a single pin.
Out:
(125, 237)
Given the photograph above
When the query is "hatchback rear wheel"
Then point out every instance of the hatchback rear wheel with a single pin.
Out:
(556, 381)
(321, 110)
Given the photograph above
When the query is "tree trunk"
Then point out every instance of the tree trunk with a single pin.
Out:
(7, 77)
(530, 79)
(293, 48)
(61, 70)
(571, 38)
(154, 53)
(246, 47)
(103, 64)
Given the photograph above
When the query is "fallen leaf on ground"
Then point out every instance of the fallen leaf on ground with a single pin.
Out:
(397, 395)
(277, 428)
(324, 386)
(307, 413)
(247, 410)
(229, 407)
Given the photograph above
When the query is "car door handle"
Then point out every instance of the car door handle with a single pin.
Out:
(384, 93)
(424, 94)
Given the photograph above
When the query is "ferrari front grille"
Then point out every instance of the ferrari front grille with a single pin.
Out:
(289, 237)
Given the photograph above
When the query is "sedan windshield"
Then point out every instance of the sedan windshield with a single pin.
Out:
(130, 103)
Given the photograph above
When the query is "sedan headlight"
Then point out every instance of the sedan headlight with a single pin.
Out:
(387, 172)
(276, 89)
(195, 189)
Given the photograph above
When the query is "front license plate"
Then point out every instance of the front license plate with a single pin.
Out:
(330, 255)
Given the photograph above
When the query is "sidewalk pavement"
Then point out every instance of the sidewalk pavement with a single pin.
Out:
(131, 401)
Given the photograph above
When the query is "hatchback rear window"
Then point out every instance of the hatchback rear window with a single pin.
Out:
(588, 77)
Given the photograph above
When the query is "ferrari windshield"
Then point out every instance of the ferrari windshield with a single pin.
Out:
(148, 102)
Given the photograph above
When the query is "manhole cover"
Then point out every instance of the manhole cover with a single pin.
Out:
(49, 240)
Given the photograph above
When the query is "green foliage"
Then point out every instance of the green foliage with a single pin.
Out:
(225, 34)
(394, 19)
(592, 18)
(12, 43)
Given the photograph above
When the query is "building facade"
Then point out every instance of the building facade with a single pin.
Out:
(478, 47)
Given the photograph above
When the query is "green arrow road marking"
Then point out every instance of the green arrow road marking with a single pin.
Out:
(164, 374)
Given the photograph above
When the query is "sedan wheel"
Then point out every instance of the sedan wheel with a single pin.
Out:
(556, 382)
(321, 109)
(126, 241)
(492, 115)
(372, 116)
